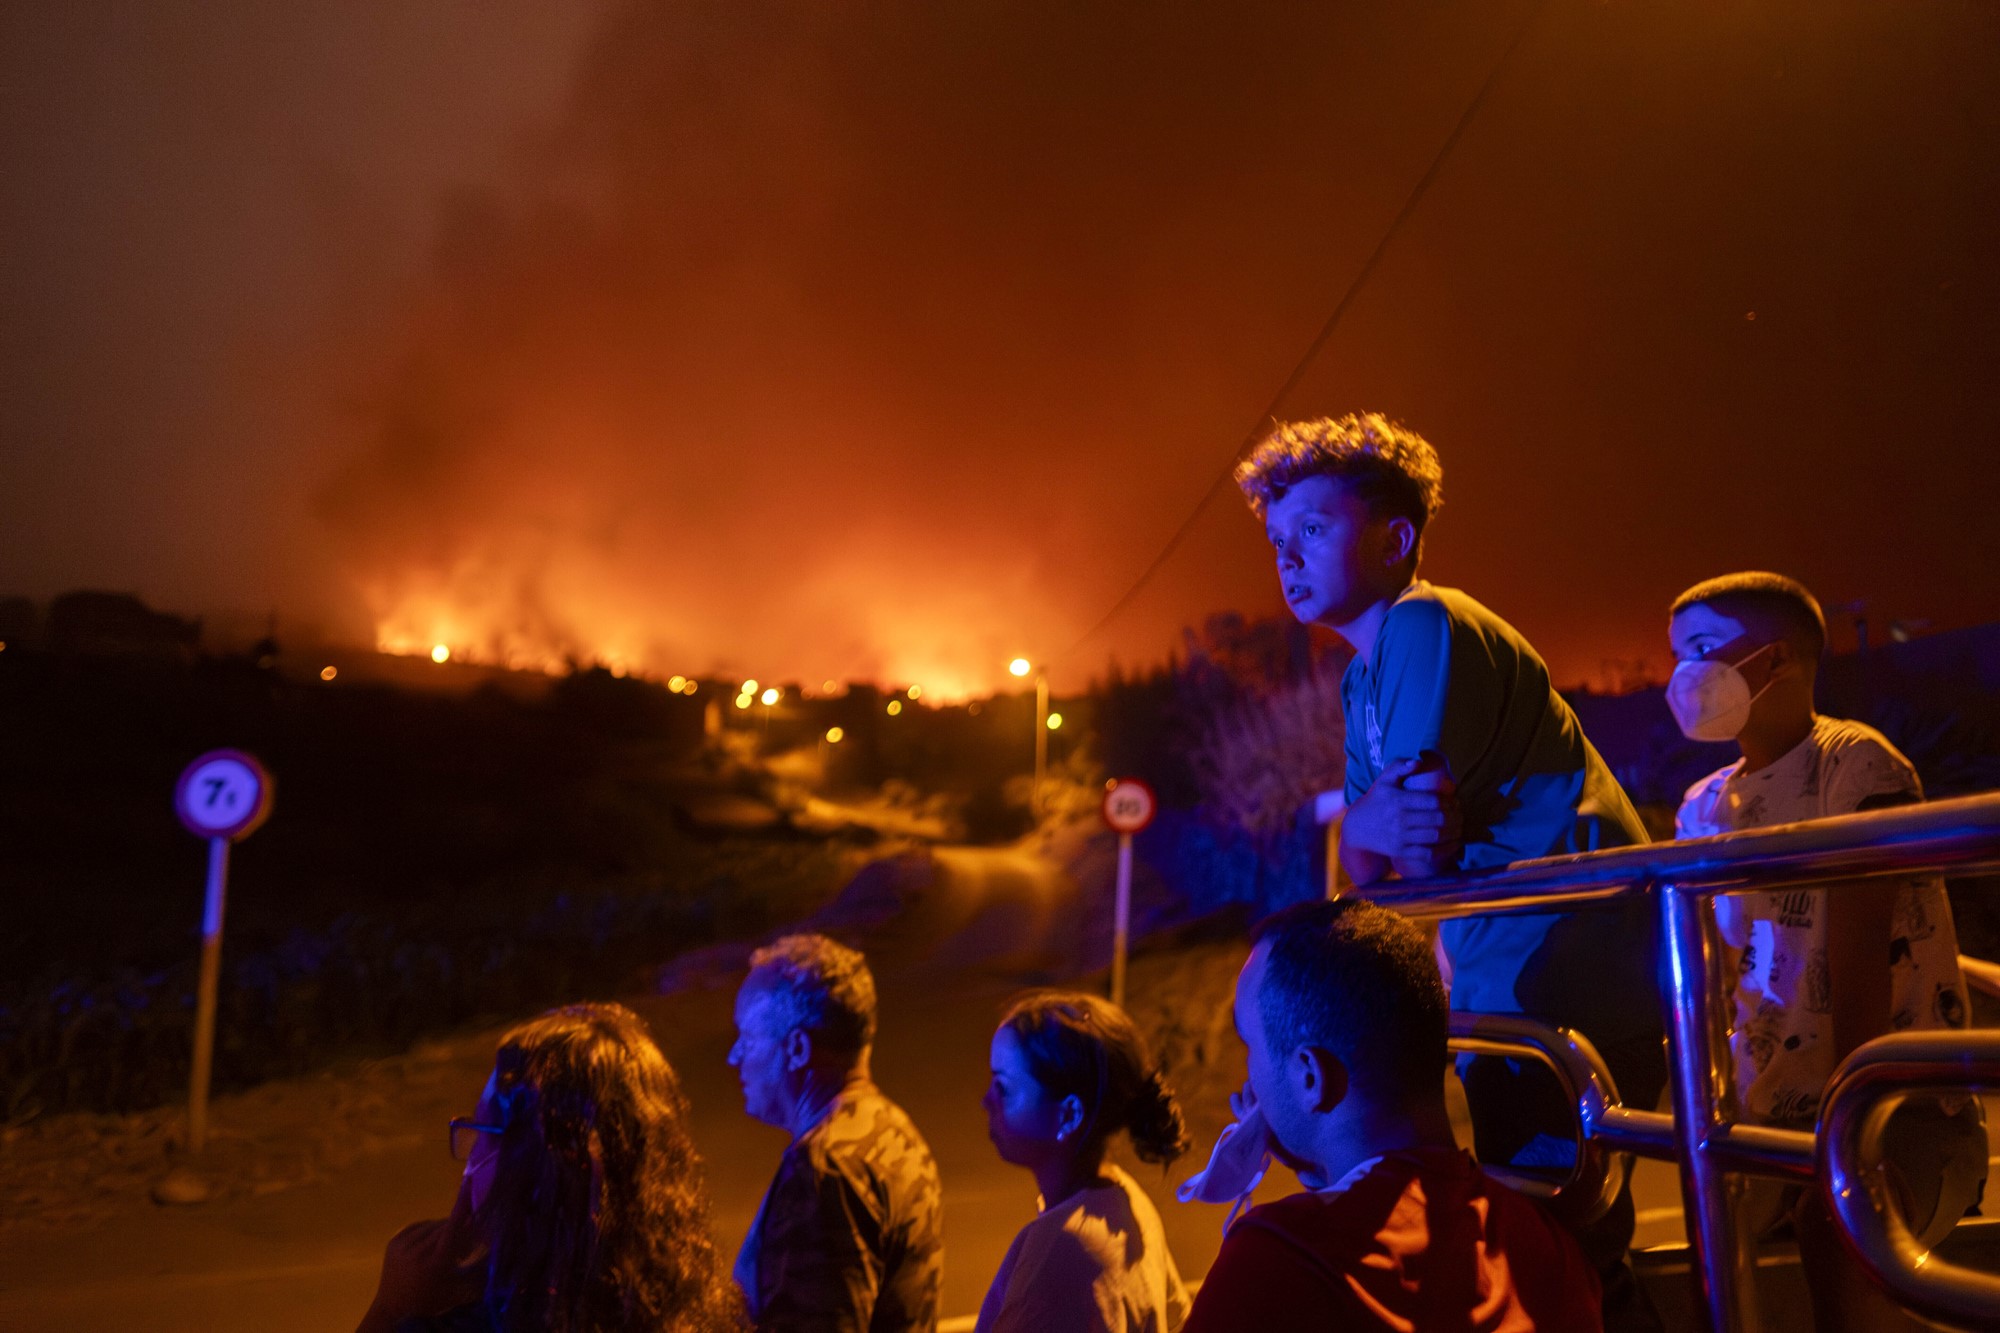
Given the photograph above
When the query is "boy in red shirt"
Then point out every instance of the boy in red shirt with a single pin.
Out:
(1342, 1011)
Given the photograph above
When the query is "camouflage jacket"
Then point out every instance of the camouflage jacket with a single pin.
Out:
(850, 1237)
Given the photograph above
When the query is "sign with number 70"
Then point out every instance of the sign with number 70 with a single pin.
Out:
(223, 794)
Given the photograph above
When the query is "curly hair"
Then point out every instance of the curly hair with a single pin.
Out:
(1079, 1045)
(822, 986)
(1389, 467)
(599, 1211)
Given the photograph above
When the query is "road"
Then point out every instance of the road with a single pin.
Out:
(987, 923)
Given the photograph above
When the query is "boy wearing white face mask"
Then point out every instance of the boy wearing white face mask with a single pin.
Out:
(1819, 973)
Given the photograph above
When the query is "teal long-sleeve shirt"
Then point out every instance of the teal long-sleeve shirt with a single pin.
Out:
(1449, 675)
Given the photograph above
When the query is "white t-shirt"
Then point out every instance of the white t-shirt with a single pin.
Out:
(1095, 1263)
(1782, 1036)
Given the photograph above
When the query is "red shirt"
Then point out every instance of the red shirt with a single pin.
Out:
(1420, 1241)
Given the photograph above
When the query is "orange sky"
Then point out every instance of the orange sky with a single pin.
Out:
(752, 337)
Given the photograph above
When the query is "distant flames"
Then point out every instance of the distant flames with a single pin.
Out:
(424, 618)
(670, 403)
(432, 623)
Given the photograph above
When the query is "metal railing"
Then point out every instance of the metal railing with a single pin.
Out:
(1844, 1156)
(1606, 1129)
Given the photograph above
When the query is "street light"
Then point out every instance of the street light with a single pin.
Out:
(1021, 666)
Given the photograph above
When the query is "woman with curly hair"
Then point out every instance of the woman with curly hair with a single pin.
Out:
(1069, 1071)
(583, 1207)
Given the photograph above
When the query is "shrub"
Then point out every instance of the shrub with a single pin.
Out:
(1262, 757)
(371, 982)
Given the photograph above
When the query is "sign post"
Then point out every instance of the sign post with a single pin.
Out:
(1129, 805)
(222, 796)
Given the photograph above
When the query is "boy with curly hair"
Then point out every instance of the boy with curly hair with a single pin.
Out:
(1462, 756)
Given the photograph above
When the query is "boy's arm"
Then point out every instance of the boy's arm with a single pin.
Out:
(1373, 825)
(1411, 827)
(1857, 962)
(1859, 919)
(1362, 867)
(1414, 658)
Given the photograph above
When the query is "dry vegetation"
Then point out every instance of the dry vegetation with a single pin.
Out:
(1260, 758)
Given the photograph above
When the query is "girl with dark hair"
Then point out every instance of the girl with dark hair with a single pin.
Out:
(1069, 1072)
(583, 1208)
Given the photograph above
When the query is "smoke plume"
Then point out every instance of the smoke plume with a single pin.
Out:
(802, 345)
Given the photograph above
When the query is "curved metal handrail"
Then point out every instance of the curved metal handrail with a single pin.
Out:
(1681, 877)
(1980, 974)
(1864, 1093)
(1960, 834)
(1593, 1182)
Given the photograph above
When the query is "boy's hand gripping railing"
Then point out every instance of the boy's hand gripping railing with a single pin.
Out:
(1962, 834)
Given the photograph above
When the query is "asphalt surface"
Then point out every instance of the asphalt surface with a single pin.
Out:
(988, 923)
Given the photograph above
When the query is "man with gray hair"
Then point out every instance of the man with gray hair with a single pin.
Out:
(849, 1238)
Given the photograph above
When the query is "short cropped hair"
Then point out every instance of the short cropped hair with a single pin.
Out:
(1360, 981)
(1783, 601)
(1387, 466)
(821, 986)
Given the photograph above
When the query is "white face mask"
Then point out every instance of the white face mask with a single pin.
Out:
(1711, 700)
(1235, 1168)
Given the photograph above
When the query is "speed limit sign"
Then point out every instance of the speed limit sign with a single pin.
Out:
(1129, 805)
(223, 794)
(222, 797)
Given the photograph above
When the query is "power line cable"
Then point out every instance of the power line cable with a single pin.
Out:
(1314, 348)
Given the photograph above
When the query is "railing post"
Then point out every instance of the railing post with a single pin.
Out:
(1724, 1262)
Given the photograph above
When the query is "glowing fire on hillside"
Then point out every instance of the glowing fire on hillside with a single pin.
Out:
(474, 622)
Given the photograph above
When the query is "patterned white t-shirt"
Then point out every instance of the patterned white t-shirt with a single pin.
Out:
(1782, 1036)
(1097, 1262)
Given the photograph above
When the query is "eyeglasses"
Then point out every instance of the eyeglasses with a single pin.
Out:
(464, 1132)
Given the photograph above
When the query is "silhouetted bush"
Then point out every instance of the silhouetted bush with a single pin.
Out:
(1235, 738)
(430, 861)
(1262, 758)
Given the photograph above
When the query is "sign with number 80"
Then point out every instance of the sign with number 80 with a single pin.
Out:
(1129, 805)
